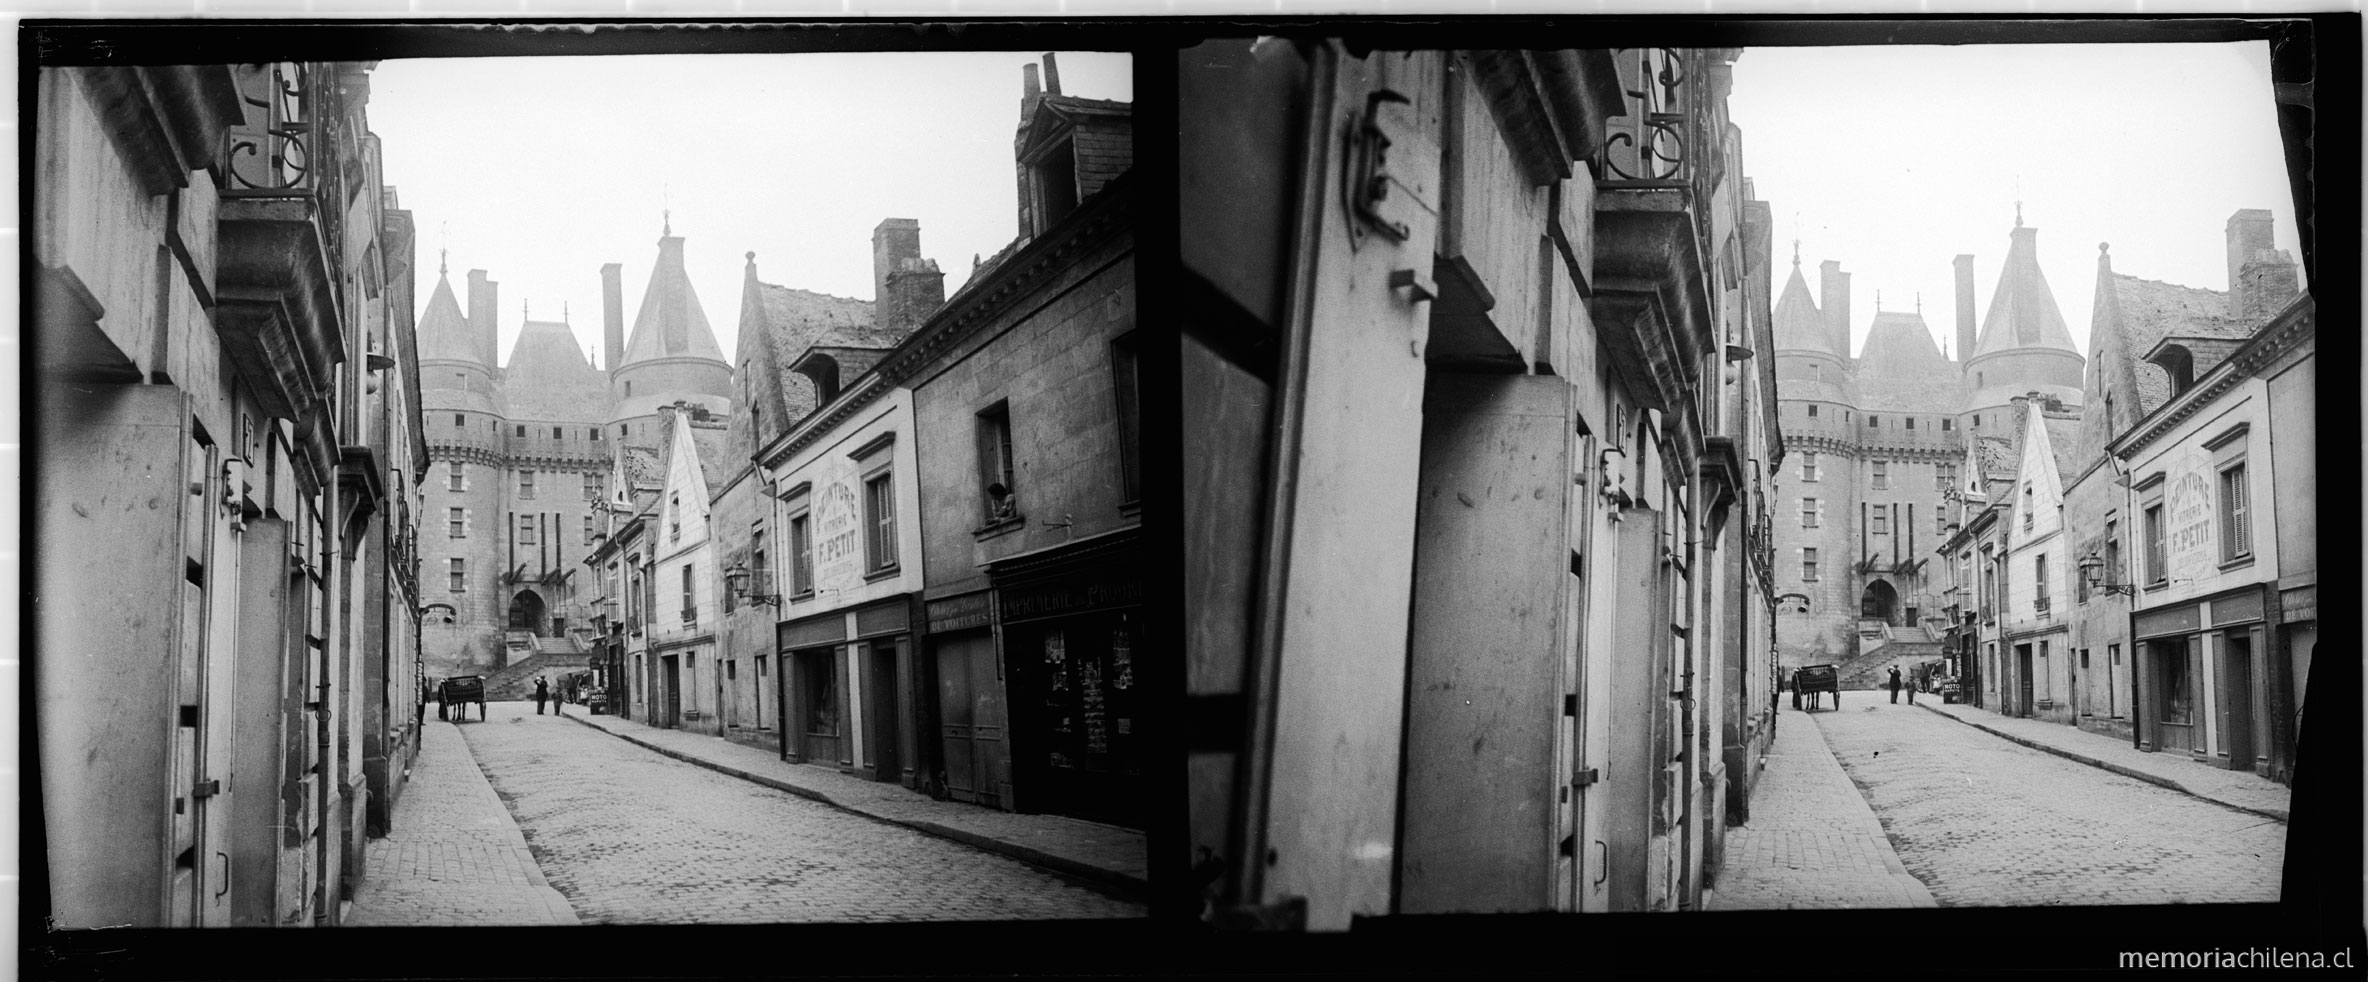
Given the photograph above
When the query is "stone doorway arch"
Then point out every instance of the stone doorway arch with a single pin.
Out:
(1878, 602)
(527, 612)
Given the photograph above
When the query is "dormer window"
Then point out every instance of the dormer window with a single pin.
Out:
(1052, 179)
(2179, 364)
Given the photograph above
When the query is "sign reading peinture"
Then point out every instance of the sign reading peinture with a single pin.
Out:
(2188, 518)
(838, 541)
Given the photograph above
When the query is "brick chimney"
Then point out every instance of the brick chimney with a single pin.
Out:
(906, 288)
(484, 300)
(1834, 301)
(1964, 308)
(2261, 277)
(612, 316)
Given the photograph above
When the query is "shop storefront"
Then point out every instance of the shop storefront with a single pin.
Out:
(846, 695)
(1072, 639)
(2204, 679)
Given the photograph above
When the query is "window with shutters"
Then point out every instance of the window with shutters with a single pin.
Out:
(2113, 573)
(2236, 526)
(2039, 599)
(690, 594)
(998, 489)
(801, 557)
(879, 520)
(2156, 572)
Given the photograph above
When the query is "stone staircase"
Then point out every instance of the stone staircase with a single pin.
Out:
(1871, 669)
(530, 656)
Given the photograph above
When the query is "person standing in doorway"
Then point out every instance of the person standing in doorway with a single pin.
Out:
(1895, 685)
(542, 691)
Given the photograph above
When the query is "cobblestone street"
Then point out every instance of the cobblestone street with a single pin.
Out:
(632, 836)
(1983, 821)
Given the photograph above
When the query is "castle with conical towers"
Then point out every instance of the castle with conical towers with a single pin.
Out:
(528, 453)
(1881, 446)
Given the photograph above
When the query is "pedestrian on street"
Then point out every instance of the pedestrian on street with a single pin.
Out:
(1895, 686)
(542, 691)
(1912, 683)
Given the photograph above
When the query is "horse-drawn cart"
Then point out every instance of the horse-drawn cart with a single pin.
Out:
(454, 696)
(1814, 681)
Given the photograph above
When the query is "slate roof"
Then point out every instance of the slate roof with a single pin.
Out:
(795, 320)
(444, 330)
(2063, 442)
(1997, 456)
(670, 323)
(716, 464)
(2023, 312)
(2143, 312)
(550, 378)
(1798, 323)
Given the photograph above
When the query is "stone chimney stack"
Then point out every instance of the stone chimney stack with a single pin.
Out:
(2261, 277)
(1834, 301)
(1964, 308)
(1030, 91)
(906, 288)
(484, 300)
(1052, 75)
(612, 316)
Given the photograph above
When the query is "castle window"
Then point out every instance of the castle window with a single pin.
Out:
(1808, 465)
(1812, 411)
(1947, 424)
(596, 433)
(1809, 564)
(628, 388)
(526, 530)
(526, 484)
(460, 419)
(1882, 520)
(456, 482)
(556, 435)
(588, 530)
(2026, 506)
(460, 576)
(1911, 422)
(674, 516)
(1882, 473)
(1874, 423)
(521, 429)
(1808, 513)
(591, 485)
(460, 523)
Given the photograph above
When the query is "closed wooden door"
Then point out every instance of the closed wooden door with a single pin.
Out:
(971, 720)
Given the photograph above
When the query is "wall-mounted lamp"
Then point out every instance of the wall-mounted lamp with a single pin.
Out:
(1737, 352)
(2092, 568)
(738, 578)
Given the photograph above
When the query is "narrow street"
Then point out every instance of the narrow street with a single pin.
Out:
(1983, 821)
(1856, 802)
(630, 836)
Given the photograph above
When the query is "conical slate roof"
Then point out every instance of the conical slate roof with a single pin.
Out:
(2023, 311)
(1901, 369)
(670, 324)
(1798, 324)
(444, 331)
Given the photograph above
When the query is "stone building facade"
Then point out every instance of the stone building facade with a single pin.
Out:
(523, 454)
(225, 420)
(1880, 447)
(1482, 384)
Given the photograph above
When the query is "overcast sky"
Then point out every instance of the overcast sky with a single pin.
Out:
(1896, 159)
(541, 170)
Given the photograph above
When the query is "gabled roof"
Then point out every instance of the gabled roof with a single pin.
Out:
(444, 331)
(795, 320)
(670, 324)
(549, 378)
(1997, 456)
(2023, 311)
(2063, 442)
(1798, 323)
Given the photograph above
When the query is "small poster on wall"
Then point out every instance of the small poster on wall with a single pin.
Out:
(1056, 654)
(1122, 659)
(1090, 700)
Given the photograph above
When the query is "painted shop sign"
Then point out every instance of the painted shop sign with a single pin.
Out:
(2192, 539)
(838, 523)
(1071, 595)
(960, 613)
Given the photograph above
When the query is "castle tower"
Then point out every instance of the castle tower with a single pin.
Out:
(671, 354)
(464, 413)
(2024, 346)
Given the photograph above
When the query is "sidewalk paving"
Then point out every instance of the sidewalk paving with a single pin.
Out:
(1104, 855)
(2241, 790)
(454, 856)
(1812, 842)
